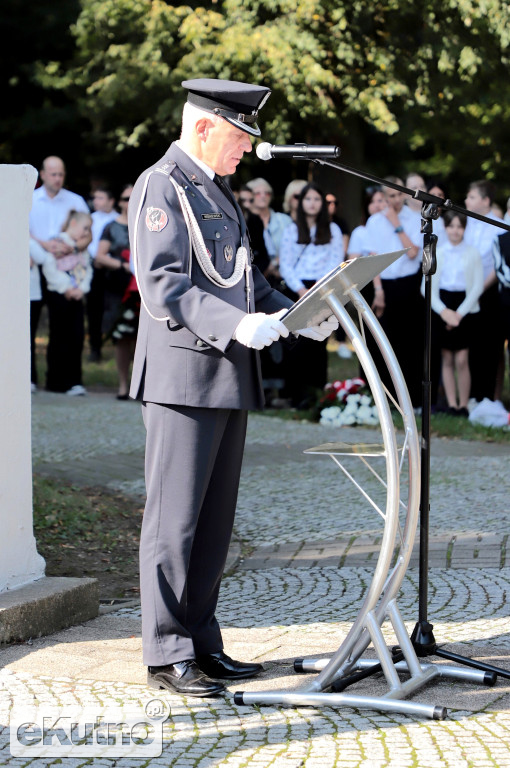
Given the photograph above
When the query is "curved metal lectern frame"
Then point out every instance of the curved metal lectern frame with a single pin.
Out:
(385, 583)
(332, 293)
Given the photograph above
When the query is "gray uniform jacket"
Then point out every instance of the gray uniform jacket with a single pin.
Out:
(190, 359)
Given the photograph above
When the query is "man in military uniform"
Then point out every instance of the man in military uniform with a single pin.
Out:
(205, 312)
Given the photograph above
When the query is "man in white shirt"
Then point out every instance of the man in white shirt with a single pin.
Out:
(51, 204)
(397, 302)
(105, 212)
(486, 349)
(481, 235)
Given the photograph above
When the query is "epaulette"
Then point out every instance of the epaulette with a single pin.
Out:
(182, 180)
(165, 169)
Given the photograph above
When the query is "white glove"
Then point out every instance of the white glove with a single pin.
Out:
(322, 331)
(259, 330)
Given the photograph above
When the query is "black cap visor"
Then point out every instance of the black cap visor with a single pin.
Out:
(246, 122)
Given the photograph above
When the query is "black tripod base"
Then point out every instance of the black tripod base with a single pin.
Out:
(423, 640)
(424, 644)
(492, 672)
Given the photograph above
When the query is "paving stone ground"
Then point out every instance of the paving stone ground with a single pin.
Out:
(309, 546)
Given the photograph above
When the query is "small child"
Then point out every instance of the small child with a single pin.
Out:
(68, 280)
(456, 288)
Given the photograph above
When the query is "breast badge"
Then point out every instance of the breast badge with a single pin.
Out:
(228, 253)
(156, 219)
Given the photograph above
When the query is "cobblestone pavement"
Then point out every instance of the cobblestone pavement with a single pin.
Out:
(309, 544)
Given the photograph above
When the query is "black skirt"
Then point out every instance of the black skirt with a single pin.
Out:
(460, 337)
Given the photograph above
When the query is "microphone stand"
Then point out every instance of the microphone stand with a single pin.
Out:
(422, 637)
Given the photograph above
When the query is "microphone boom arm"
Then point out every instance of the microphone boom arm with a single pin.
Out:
(424, 197)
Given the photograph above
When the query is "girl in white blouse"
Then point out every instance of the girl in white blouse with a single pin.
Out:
(309, 249)
(456, 288)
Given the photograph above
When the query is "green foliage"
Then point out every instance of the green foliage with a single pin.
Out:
(432, 74)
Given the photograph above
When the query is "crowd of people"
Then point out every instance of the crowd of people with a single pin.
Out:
(80, 267)
(470, 290)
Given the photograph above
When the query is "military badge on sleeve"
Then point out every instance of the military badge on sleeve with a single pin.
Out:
(156, 219)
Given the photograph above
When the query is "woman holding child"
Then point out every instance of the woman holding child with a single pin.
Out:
(68, 280)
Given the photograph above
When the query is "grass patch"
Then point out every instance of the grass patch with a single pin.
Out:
(88, 532)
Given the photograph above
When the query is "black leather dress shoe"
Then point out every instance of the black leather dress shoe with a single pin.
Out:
(222, 667)
(183, 677)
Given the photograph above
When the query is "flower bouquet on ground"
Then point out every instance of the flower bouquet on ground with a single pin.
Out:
(349, 402)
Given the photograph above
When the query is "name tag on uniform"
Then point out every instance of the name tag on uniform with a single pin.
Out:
(207, 216)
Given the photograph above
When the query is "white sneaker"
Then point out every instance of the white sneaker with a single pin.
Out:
(344, 352)
(76, 391)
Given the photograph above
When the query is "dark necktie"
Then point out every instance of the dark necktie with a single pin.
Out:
(218, 180)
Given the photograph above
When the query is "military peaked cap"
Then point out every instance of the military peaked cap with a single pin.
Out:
(239, 103)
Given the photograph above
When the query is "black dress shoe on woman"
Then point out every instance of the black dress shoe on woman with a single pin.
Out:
(222, 667)
(183, 677)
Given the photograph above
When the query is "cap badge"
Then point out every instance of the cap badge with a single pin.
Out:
(156, 219)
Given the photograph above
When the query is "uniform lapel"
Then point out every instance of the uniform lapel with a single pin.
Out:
(201, 180)
(208, 187)
(227, 192)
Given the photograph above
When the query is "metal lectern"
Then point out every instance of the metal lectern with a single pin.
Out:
(404, 673)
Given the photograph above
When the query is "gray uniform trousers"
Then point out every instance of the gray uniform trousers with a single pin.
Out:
(192, 466)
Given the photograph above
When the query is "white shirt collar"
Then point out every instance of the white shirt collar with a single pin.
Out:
(200, 163)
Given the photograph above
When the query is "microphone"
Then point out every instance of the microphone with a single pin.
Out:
(266, 151)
